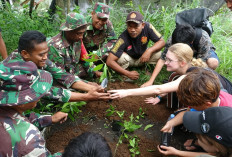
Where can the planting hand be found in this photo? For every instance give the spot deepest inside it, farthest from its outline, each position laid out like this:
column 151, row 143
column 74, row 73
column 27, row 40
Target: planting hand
column 134, row 75
column 152, row 100
column 96, row 95
column 114, row 94
column 59, row 117
column 168, row 127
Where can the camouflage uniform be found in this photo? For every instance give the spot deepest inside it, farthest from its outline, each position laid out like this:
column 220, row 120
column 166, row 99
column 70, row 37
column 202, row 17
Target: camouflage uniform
column 22, row 83
column 20, row 136
column 61, row 76
column 66, row 56
column 103, row 39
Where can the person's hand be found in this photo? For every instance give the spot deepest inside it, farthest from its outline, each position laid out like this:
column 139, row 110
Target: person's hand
column 146, row 56
column 152, row 101
column 94, row 84
column 59, row 117
column 118, row 93
column 168, row 150
column 134, row 75
column 98, row 73
column 148, row 83
column 97, row 95
column 167, row 127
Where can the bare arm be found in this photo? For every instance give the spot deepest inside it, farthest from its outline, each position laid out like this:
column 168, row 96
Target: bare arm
column 91, row 95
column 112, row 63
column 81, row 85
column 176, row 152
column 156, row 71
column 177, row 120
column 3, row 51
column 155, row 89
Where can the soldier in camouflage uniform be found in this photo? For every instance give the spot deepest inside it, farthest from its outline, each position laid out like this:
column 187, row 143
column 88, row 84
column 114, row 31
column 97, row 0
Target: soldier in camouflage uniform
column 100, row 36
column 66, row 49
column 33, row 47
column 22, row 85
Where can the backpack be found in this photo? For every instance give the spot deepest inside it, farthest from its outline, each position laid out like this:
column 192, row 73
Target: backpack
column 198, row 18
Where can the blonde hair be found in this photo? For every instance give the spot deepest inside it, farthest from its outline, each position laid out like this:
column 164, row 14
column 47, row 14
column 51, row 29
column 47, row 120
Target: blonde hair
column 184, row 52
column 223, row 150
column 198, row 63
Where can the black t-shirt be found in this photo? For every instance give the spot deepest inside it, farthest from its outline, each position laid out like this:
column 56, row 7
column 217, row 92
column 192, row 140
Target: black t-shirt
column 226, row 84
column 135, row 47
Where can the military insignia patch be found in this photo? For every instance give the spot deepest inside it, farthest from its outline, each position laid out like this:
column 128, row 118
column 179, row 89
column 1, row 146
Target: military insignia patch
column 133, row 15
column 144, row 40
column 117, row 45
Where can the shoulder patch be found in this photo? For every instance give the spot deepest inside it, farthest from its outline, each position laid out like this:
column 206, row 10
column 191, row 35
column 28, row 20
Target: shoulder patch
column 117, row 45
column 154, row 30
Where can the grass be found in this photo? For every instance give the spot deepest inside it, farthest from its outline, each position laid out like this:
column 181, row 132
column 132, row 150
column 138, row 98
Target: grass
column 163, row 19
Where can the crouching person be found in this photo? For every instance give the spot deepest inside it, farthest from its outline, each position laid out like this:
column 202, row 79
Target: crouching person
column 213, row 131
column 22, row 85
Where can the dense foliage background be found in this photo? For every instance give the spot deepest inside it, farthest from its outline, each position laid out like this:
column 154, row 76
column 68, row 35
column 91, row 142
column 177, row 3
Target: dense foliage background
column 14, row 21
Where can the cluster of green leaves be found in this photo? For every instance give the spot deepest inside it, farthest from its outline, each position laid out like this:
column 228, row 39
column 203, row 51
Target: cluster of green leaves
column 14, row 22
column 72, row 108
column 128, row 128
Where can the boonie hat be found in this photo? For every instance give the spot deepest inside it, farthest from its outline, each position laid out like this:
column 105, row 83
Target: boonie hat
column 102, row 10
column 21, row 82
column 215, row 122
column 135, row 16
column 73, row 21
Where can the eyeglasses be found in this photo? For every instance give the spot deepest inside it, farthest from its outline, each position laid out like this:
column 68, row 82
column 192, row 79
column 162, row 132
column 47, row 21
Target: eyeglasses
column 168, row 60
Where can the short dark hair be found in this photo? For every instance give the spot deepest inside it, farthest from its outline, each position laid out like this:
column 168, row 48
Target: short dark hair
column 89, row 145
column 198, row 87
column 28, row 40
column 183, row 34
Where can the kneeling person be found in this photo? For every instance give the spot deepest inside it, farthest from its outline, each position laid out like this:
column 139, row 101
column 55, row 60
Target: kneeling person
column 131, row 49
column 22, row 85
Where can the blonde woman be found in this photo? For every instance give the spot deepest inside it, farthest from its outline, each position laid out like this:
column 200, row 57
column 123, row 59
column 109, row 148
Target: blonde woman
column 179, row 59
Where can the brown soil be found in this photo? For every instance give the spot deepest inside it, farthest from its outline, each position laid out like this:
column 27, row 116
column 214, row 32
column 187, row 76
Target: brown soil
column 93, row 119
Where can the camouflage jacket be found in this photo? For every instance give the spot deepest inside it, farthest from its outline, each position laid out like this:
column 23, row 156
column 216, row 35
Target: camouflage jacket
column 67, row 57
column 19, row 137
column 59, row 75
column 205, row 45
column 99, row 39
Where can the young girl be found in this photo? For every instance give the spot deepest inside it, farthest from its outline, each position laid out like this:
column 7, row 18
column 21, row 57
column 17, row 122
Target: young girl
column 213, row 131
column 179, row 59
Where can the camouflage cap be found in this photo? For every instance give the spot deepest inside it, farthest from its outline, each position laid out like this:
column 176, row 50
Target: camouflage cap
column 73, row 21
column 102, row 10
column 21, row 82
column 135, row 16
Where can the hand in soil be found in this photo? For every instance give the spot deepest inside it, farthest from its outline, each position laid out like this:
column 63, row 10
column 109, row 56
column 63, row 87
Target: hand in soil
column 134, row 75
column 152, row 101
column 59, row 117
column 114, row 94
column 168, row 150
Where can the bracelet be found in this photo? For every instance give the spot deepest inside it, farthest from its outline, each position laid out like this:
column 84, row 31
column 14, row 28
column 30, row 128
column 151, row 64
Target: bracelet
column 159, row 97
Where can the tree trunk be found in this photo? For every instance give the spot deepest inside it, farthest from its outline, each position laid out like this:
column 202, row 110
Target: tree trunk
column 31, row 6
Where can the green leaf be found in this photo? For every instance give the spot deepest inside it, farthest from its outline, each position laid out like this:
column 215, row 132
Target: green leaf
column 90, row 60
column 148, row 126
column 98, row 67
